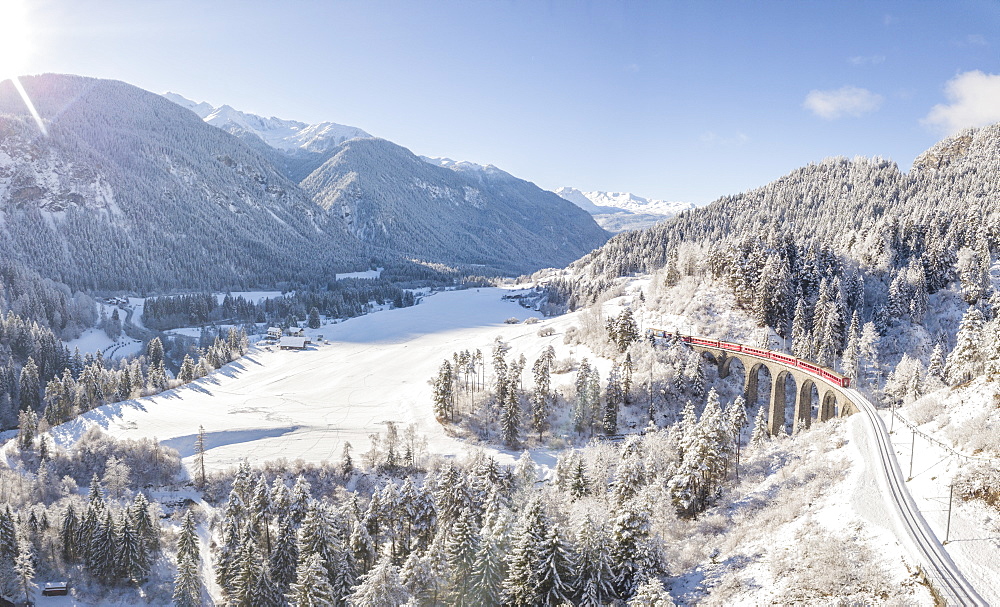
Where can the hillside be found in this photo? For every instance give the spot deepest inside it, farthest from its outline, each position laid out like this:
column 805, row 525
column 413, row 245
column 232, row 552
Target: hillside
column 129, row 191
column 392, row 199
column 865, row 209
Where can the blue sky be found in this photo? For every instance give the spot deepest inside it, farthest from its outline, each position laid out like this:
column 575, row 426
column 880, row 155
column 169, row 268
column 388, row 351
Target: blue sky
column 676, row 100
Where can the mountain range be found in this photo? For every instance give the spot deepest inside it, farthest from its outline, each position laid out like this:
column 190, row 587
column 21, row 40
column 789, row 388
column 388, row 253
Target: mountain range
column 621, row 211
column 132, row 191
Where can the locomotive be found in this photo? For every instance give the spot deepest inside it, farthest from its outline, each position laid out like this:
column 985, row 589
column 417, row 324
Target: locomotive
column 790, row 361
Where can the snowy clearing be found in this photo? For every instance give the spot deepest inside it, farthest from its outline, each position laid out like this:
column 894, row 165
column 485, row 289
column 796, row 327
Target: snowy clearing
column 304, row 404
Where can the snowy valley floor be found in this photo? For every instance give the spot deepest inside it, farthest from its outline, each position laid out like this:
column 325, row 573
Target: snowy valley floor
column 305, row 404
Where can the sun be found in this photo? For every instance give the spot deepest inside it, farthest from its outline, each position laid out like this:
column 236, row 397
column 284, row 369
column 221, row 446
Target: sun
column 14, row 38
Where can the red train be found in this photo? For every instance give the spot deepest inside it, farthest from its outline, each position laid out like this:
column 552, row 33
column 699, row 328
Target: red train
column 791, row 361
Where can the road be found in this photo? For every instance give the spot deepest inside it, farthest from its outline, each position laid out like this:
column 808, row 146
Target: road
column 939, row 567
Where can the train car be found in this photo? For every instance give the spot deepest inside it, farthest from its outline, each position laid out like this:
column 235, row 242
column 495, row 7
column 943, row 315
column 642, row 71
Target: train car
column 784, row 358
column 757, row 352
column 725, row 345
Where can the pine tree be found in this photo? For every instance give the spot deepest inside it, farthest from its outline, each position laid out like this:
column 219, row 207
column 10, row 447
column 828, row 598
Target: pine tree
column 760, row 434
column 460, row 550
column 935, row 368
column 133, row 559
column 187, row 370
column 651, row 594
column 284, row 557
column 24, row 568
column 314, row 320
column 105, row 550
column 68, row 535
column 523, row 565
column 556, row 570
column 736, row 416
column 8, row 536
column 311, row 587
column 381, row 586
column 510, row 414
column 246, row 573
column 595, row 576
column 187, row 582
column 631, row 553
column 868, row 345
column 488, row 570
column 581, row 409
column 443, row 393
column 29, row 386
column 266, row 592
column 154, row 352
column 541, row 371
column 579, row 485
column 965, row 360
column 613, row 401
column 850, row 362
column 187, row 541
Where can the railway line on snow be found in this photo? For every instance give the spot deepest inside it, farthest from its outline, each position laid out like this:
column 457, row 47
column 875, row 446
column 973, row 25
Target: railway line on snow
column 939, row 566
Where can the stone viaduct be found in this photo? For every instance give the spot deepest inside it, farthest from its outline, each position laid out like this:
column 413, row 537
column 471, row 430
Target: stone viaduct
column 832, row 400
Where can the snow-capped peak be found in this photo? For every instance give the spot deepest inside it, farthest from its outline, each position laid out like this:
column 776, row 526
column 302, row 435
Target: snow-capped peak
column 461, row 165
column 611, row 202
column 203, row 109
column 285, row 135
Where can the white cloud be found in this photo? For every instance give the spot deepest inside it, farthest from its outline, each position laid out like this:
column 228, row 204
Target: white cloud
column 713, row 139
column 845, row 101
column 973, row 100
column 869, row 60
column 976, row 40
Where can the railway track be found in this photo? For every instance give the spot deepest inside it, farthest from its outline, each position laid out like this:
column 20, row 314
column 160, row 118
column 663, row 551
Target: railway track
column 938, row 566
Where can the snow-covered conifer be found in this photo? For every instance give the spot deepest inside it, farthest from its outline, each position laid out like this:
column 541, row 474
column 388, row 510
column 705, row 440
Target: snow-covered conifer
column 760, row 433
column 460, row 549
column 965, row 360
column 187, row 541
column 651, row 594
column 556, row 568
column 381, row 586
column 187, row 583
column 595, row 576
column 801, row 337
column 311, row 587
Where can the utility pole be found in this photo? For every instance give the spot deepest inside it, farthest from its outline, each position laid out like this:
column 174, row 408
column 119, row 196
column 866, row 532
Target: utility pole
column 951, row 494
column 913, row 444
column 892, row 415
column 652, row 355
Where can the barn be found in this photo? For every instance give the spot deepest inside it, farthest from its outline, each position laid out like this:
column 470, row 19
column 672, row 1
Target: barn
column 292, row 343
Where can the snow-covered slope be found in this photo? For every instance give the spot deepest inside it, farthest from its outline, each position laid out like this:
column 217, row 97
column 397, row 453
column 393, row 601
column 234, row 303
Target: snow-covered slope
column 450, row 212
column 287, row 136
column 129, row 191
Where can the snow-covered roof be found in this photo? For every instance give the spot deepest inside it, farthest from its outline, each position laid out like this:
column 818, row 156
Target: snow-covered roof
column 292, row 342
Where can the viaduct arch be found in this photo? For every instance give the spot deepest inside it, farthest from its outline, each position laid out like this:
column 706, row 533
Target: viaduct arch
column 832, row 400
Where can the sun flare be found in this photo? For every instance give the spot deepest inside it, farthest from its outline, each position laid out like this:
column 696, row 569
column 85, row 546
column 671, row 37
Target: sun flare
column 14, row 39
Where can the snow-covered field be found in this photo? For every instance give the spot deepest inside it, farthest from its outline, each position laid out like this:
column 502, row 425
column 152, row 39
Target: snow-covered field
column 94, row 339
column 305, row 404
column 365, row 274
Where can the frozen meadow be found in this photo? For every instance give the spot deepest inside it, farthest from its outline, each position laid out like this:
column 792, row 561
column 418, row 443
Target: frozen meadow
column 304, row 404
